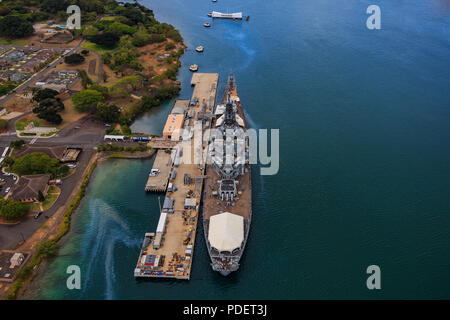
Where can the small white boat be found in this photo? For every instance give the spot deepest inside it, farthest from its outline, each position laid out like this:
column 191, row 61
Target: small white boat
column 199, row 49
column 207, row 24
column 209, row 14
column 193, row 68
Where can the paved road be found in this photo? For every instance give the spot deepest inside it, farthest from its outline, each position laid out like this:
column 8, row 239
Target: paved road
column 86, row 133
column 11, row 235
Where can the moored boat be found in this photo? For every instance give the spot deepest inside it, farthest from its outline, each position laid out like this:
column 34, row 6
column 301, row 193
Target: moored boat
column 227, row 205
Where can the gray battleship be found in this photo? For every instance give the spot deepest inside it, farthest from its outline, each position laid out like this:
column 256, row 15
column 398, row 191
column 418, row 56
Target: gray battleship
column 227, row 204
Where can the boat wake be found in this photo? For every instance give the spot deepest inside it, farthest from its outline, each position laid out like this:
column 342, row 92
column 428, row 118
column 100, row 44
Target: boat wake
column 106, row 230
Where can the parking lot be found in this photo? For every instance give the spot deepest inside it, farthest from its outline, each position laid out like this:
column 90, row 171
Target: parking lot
column 7, row 181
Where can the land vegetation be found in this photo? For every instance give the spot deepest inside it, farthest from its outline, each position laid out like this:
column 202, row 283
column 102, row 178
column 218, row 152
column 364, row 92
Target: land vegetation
column 48, row 105
column 3, row 124
column 6, row 87
column 125, row 37
column 17, row 144
column 74, row 59
column 140, row 57
column 117, row 148
column 12, row 210
column 36, row 163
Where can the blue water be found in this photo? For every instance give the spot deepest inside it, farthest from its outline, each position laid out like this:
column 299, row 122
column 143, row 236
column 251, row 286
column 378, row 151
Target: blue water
column 364, row 157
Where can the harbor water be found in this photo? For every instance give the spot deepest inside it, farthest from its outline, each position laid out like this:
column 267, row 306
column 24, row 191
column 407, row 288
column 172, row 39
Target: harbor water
column 364, row 174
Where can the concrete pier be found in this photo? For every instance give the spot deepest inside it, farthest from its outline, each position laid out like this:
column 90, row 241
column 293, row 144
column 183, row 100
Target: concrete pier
column 168, row 252
column 163, row 163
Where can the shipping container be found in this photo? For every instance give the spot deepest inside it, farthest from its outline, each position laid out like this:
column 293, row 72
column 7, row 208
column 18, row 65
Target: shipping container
column 143, row 139
column 162, row 223
column 158, row 240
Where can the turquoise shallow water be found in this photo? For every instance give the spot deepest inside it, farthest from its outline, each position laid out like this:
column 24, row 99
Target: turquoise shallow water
column 364, row 158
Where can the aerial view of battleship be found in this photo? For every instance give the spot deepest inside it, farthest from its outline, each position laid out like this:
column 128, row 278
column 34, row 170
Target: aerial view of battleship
column 227, row 206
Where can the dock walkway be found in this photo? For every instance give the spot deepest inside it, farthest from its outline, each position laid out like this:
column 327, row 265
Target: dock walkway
column 163, row 163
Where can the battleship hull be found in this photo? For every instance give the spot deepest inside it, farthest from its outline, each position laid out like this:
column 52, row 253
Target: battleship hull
column 227, row 200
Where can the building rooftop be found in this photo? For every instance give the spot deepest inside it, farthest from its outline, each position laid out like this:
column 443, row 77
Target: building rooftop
column 28, row 187
column 174, row 122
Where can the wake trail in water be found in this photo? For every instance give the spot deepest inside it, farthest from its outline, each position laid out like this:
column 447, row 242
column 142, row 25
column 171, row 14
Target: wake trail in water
column 106, row 230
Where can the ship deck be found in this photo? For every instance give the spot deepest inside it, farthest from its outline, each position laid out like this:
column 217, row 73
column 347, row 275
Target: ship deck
column 226, row 262
column 242, row 207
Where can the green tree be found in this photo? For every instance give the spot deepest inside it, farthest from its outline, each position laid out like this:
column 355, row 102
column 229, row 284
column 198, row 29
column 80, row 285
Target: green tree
column 48, row 248
column 126, row 130
column 119, row 29
column 3, row 124
column 35, row 163
column 41, row 197
column 8, row 161
column 90, row 31
column 13, row 210
column 40, row 95
column 87, row 100
column 170, row 46
column 7, row 87
column 53, row 6
column 74, row 59
column 63, row 171
column 16, row 143
column 85, row 80
column 48, row 110
column 105, row 39
column 174, row 35
column 108, row 113
column 99, row 88
column 15, row 27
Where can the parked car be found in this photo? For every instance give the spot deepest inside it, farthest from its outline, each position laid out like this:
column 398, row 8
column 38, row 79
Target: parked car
column 57, row 182
column 154, row 172
column 38, row 214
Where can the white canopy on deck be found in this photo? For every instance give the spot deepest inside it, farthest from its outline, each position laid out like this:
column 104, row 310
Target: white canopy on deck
column 226, row 231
